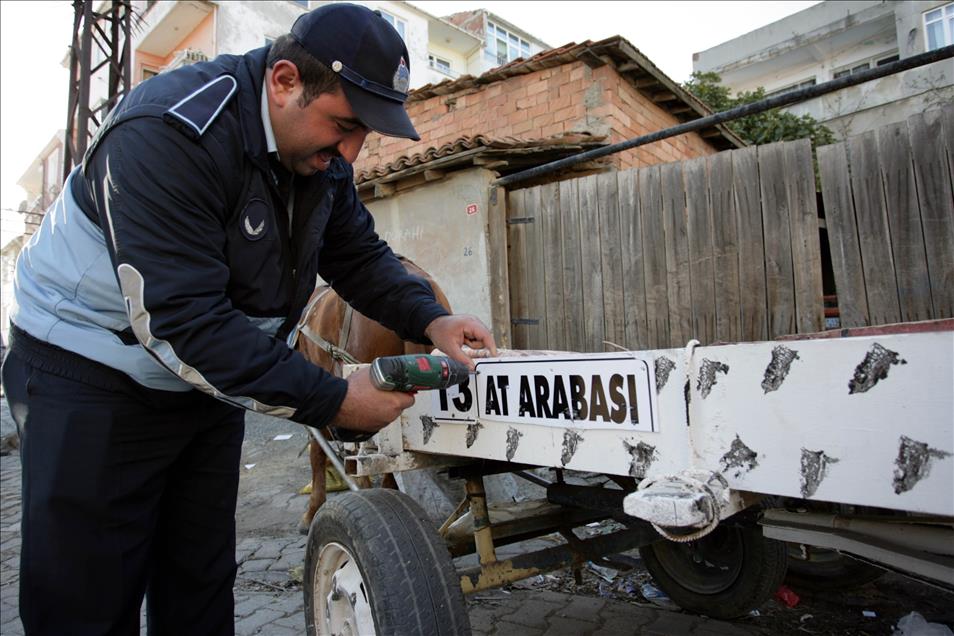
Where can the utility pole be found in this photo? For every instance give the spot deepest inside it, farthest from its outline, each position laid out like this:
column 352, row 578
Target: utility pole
column 109, row 31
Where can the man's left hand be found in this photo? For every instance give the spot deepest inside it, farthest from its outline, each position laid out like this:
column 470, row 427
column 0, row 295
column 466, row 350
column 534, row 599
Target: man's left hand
column 462, row 338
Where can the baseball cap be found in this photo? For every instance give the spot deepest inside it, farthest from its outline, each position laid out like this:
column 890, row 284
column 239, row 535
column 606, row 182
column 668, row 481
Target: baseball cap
column 370, row 58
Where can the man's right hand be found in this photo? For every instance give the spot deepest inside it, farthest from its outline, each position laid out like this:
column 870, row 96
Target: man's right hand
column 368, row 409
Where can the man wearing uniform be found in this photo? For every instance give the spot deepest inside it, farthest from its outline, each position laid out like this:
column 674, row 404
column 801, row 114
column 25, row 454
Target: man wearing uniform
column 162, row 292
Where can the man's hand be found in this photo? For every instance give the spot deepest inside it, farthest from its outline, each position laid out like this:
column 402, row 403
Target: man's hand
column 367, row 409
column 451, row 334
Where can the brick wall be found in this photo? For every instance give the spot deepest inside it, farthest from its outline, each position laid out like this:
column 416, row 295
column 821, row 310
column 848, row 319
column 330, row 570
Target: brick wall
column 569, row 98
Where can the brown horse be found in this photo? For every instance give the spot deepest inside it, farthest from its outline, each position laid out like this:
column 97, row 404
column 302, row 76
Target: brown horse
column 339, row 329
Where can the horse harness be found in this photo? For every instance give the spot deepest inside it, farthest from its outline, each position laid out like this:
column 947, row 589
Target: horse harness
column 338, row 353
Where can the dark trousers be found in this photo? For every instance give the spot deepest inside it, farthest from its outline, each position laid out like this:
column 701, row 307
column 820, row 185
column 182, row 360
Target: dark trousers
column 126, row 491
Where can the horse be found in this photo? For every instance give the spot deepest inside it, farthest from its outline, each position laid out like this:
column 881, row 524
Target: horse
column 332, row 333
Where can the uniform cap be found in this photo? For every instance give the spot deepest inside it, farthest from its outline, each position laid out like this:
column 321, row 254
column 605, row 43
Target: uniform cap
column 370, row 58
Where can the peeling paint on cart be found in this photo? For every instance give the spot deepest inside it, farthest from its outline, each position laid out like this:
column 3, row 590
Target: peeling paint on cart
column 571, row 439
column 428, row 425
column 473, row 429
column 814, row 469
column 778, row 368
column 707, row 376
column 739, row 459
column 873, row 368
column 913, row 463
column 513, row 440
column 643, row 455
column 663, row 366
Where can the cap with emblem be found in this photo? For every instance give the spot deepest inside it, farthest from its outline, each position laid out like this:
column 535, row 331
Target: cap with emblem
column 369, row 56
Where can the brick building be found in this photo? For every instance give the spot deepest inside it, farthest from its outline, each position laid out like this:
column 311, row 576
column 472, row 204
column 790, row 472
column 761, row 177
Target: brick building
column 606, row 90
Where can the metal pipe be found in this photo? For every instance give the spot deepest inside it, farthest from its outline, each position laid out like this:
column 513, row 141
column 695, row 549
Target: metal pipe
column 332, row 457
column 938, row 538
column 533, row 479
column 768, row 103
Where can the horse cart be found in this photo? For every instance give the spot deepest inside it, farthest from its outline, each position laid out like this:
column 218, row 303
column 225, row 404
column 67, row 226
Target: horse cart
column 720, row 461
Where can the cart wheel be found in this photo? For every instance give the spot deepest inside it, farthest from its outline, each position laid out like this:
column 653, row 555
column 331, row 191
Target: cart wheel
column 375, row 565
column 725, row 574
column 823, row 570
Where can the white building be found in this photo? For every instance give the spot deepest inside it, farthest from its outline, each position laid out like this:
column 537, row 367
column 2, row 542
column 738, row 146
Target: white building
column 836, row 38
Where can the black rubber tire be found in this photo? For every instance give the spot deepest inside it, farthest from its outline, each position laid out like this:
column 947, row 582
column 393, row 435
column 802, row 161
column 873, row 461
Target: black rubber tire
column 828, row 571
column 749, row 569
column 408, row 575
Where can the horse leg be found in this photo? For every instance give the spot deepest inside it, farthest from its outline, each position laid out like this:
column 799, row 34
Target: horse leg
column 318, row 486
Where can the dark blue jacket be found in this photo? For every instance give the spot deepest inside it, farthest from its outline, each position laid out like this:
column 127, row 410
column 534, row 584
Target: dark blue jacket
column 178, row 203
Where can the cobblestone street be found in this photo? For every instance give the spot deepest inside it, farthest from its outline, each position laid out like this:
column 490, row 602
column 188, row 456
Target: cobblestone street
column 270, row 554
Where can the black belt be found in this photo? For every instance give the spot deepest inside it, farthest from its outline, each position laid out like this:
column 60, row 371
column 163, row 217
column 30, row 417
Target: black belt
column 58, row 361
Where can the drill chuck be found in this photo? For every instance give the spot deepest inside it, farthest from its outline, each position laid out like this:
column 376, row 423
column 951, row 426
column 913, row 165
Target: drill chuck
column 417, row 373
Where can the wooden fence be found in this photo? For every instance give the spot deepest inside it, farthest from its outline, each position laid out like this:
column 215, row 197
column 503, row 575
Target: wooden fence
column 719, row 248
column 890, row 215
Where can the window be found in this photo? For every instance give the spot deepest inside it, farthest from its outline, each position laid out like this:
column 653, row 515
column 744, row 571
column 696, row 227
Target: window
column 303, row 3
column 441, row 65
column 856, row 67
column 939, row 27
column 148, row 72
column 502, row 47
column 794, row 87
column 399, row 25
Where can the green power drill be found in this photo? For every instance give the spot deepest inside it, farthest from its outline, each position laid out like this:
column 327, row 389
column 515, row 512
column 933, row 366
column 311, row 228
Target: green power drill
column 408, row 373
column 417, row 372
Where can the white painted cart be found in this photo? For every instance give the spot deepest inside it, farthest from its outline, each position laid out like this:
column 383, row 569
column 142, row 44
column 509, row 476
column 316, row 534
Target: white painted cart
column 723, row 458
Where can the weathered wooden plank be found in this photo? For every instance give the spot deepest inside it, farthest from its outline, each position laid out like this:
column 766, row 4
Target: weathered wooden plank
column 611, row 254
column 536, row 283
column 843, row 235
column 904, row 222
column 725, row 248
column 517, row 209
column 748, row 202
column 873, row 230
column 654, row 250
column 776, row 213
column 946, row 115
column 572, row 265
column 932, row 143
column 592, row 265
column 499, row 275
column 701, row 257
column 806, row 251
column 677, row 253
column 634, row 281
column 552, row 235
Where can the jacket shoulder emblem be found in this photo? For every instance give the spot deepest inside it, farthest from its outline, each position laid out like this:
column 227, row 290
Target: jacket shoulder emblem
column 195, row 112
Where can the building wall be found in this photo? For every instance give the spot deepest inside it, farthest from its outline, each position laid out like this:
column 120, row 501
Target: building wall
column 458, row 63
column 243, row 26
column 572, row 98
column 822, row 40
column 476, row 22
column 431, row 226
